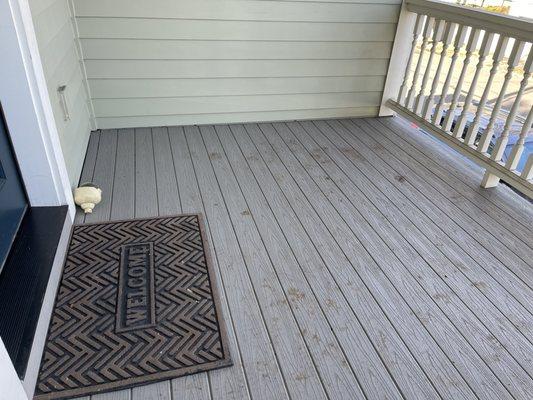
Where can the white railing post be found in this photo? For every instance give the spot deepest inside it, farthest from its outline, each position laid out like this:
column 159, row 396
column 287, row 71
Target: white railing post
column 408, row 31
column 439, row 25
column 420, row 19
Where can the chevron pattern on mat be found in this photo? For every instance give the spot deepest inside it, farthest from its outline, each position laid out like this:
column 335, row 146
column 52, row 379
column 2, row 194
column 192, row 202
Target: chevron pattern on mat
column 136, row 304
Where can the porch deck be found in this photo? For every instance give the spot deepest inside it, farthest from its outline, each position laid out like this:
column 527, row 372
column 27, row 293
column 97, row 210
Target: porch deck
column 357, row 258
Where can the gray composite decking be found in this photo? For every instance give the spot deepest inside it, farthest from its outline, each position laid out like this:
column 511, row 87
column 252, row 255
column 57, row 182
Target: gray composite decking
column 357, row 258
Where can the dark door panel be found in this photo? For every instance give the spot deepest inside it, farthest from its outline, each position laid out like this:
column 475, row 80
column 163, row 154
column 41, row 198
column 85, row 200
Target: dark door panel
column 13, row 201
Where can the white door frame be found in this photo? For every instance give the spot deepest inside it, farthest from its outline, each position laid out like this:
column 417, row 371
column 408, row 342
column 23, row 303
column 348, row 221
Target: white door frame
column 11, row 386
column 28, row 111
column 34, row 136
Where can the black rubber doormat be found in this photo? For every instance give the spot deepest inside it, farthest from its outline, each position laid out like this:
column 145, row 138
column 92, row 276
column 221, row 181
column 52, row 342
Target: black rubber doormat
column 137, row 303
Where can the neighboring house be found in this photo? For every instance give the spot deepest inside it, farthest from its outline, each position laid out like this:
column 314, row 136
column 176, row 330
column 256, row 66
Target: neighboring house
column 355, row 257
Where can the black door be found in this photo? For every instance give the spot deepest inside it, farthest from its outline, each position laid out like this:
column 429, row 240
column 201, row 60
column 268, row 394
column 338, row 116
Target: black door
column 13, row 201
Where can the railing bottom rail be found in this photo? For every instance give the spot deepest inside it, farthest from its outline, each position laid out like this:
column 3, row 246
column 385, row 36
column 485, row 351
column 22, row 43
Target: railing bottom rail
column 454, row 62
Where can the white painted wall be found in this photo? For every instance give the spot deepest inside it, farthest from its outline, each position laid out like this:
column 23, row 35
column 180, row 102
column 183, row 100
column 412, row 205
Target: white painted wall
column 58, row 47
column 170, row 62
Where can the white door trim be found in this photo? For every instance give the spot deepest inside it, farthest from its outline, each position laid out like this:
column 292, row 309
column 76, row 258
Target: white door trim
column 28, row 111
column 9, row 381
column 30, row 122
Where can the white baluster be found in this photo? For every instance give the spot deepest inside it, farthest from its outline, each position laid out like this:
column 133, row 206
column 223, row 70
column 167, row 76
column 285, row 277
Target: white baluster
column 514, row 58
column 458, row 44
column 497, row 57
column 426, row 35
column 437, row 37
column 518, row 148
column 491, row 180
column 484, row 50
column 420, row 19
column 527, row 172
column 501, row 143
column 449, row 32
column 475, row 35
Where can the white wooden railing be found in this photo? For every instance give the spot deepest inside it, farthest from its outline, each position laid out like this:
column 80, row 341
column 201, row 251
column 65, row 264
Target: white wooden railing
column 448, row 63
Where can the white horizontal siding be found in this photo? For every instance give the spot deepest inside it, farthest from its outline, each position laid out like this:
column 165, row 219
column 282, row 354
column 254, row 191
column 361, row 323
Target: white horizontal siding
column 165, row 69
column 124, row 49
column 261, row 10
column 191, row 119
column 232, row 104
column 171, row 62
column 148, row 88
column 56, row 41
column 165, row 29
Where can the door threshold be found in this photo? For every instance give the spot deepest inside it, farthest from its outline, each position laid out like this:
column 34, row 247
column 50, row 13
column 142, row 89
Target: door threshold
column 24, row 279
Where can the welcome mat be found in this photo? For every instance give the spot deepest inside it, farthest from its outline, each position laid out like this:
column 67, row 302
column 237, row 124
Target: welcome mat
column 137, row 303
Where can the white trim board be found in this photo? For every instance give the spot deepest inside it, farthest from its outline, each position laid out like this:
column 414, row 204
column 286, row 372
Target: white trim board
column 28, row 111
column 9, row 381
column 34, row 361
column 31, row 125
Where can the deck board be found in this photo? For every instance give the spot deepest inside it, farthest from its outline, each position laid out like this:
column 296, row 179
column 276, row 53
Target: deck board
column 103, row 174
column 338, row 378
column 503, row 244
column 229, row 383
column 123, row 202
column 302, row 380
column 503, row 307
column 338, row 280
column 259, row 357
column 380, row 296
column 421, row 305
column 455, row 190
column 429, row 150
column 116, row 395
column 414, row 204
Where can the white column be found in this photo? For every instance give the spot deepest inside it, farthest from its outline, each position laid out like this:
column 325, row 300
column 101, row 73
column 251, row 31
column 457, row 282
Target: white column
column 420, row 19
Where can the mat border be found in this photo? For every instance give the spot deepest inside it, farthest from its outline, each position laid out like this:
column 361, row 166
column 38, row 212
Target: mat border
column 226, row 361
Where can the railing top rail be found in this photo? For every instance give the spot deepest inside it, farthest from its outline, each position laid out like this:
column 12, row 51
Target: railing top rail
column 519, row 28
